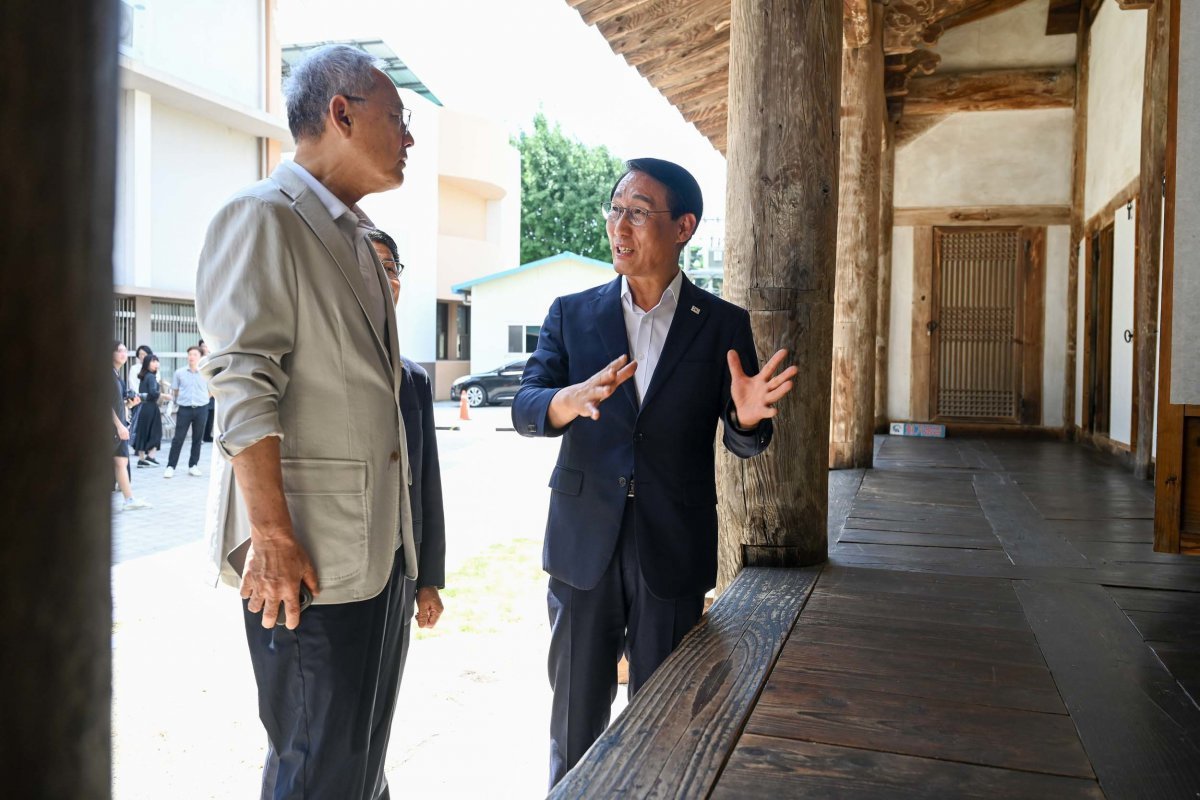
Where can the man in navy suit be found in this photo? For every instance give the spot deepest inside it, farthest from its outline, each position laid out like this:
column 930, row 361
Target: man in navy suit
column 631, row 540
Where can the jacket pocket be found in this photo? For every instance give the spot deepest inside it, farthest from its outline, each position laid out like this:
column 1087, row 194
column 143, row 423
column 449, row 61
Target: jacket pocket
column 566, row 480
column 327, row 500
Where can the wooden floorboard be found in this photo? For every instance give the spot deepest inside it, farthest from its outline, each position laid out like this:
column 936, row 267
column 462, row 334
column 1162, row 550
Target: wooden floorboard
column 771, row 768
column 992, row 622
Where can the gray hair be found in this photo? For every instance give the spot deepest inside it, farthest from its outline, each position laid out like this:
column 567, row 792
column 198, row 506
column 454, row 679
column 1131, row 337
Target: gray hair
column 325, row 71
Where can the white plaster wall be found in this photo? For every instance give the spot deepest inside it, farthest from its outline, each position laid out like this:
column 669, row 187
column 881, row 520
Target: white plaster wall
column 409, row 215
column 215, row 44
column 198, row 164
column 1054, row 353
column 522, row 299
column 1010, row 39
column 900, row 326
column 1121, row 397
column 1115, row 74
column 1185, row 360
column 989, row 158
column 1080, row 334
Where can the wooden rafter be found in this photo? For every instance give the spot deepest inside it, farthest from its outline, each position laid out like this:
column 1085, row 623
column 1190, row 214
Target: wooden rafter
column 1130, row 5
column 856, row 22
column 1062, row 17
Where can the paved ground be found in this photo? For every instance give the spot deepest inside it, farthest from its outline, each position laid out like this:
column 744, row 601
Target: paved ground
column 474, row 702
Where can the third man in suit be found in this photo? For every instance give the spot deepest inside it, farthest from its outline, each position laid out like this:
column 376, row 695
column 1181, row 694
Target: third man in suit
column 635, row 376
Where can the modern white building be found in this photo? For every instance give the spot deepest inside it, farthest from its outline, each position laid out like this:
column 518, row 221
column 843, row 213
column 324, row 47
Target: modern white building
column 508, row 307
column 192, row 129
column 199, row 122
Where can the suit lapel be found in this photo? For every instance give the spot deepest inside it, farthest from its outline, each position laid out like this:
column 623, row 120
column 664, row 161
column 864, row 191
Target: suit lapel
column 610, row 325
column 692, row 311
column 308, row 206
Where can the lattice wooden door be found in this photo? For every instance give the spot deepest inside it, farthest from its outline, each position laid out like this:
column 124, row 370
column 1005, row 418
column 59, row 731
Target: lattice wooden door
column 977, row 307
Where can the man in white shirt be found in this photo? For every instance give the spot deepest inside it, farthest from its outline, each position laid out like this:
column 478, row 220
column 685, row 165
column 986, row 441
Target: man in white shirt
column 306, row 372
column 631, row 539
column 190, row 392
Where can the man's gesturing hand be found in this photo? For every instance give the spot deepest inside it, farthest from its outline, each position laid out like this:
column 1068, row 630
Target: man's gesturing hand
column 754, row 397
column 275, row 566
column 584, row 399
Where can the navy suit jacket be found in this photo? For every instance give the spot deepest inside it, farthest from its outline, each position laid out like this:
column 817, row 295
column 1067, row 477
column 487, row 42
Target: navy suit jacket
column 425, row 493
column 666, row 444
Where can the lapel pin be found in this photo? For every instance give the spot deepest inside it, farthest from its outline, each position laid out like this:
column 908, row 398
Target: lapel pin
column 695, row 310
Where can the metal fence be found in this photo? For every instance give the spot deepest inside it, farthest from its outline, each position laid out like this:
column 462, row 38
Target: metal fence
column 124, row 318
column 173, row 330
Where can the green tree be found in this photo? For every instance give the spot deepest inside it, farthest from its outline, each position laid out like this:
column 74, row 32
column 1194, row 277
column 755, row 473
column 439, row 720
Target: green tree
column 563, row 182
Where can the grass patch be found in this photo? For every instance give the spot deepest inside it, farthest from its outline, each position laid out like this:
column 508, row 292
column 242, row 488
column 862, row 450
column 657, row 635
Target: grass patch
column 493, row 591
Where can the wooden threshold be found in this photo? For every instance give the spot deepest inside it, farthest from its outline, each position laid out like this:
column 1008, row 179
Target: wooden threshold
column 977, row 215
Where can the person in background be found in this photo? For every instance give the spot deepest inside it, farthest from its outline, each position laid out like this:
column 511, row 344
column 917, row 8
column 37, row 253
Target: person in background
column 190, row 391
column 139, row 358
column 425, row 493
column 122, row 401
column 147, row 437
column 212, row 401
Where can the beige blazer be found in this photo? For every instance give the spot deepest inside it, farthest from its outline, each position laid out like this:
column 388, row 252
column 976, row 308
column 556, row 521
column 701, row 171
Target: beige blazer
column 293, row 353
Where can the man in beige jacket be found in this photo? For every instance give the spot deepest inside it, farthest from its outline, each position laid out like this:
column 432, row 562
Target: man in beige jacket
column 305, row 369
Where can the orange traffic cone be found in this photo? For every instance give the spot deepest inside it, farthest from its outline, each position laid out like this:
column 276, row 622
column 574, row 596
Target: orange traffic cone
column 464, row 409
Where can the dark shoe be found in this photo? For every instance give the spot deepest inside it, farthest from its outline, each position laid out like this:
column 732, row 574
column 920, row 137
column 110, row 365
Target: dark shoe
column 153, row 461
column 143, row 463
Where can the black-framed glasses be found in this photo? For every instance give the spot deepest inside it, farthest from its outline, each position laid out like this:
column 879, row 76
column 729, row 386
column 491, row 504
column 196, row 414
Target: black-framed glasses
column 394, row 269
column 637, row 216
column 404, row 117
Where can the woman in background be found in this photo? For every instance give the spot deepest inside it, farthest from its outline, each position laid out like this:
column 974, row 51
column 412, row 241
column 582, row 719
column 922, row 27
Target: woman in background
column 148, row 433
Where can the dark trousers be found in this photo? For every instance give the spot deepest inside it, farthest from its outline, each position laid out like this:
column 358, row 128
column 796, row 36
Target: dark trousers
column 212, row 413
column 188, row 417
column 589, row 632
column 327, row 692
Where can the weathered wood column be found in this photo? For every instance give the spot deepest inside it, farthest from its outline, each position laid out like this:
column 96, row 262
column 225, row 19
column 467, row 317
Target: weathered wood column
column 781, row 229
column 883, row 305
column 1149, row 220
column 58, row 78
column 852, row 425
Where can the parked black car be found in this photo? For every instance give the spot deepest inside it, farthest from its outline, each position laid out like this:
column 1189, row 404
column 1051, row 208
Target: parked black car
column 491, row 386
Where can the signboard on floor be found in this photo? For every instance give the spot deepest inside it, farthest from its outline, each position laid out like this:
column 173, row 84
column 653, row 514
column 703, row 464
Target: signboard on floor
column 924, row 429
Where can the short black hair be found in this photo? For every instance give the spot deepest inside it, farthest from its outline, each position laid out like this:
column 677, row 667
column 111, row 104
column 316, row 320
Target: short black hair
column 142, row 347
column 683, row 193
column 376, row 235
column 194, row 347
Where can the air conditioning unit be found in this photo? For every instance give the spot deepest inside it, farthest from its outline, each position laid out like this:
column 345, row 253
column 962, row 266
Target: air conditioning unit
column 132, row 40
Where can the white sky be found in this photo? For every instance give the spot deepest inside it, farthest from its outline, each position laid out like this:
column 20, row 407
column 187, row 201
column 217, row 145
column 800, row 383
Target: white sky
column 503, row 59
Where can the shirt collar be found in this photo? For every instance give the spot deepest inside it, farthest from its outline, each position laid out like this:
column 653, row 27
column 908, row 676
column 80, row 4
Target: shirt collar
column 335, row 207
column 670, row 295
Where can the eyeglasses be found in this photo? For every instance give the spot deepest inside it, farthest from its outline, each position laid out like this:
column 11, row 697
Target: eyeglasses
column 394, row 269
column 404, row 117
column 637, row 216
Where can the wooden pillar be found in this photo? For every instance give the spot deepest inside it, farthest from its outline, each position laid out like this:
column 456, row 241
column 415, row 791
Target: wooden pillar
column 781, row 229
column 58, row 78
column 883, row 305
column 271, row 150
column 1149, row 230
column 852, row 426
column 1078, row 184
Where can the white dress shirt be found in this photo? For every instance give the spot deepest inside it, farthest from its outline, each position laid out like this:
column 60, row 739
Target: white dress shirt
column 647, row 330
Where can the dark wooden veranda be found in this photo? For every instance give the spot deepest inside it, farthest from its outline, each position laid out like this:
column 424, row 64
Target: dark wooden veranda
column 992, row 623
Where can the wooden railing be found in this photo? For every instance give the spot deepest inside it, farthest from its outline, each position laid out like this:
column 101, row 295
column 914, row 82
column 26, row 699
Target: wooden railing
column 676, row 735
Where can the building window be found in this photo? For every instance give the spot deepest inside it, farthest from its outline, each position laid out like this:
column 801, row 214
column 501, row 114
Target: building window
column 523, row 338
column 124, row 318
column 443, row 331
column 173, row 330
column 463, row 328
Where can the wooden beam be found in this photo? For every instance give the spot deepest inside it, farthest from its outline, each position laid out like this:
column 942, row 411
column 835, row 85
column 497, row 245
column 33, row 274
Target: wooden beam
column 784, row 83
column 922, row 303
column 883, row 306
column 991, row 90
column 1104, row 216
column 981, row 11
column 1078, row 187
column 1133, row 5
column 943, row 216
column 1149, row 231
column 856, row 22
column 852, row 424
column 1062, row 17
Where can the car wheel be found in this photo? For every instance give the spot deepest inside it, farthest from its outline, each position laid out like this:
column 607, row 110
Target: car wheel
column 476, row 396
